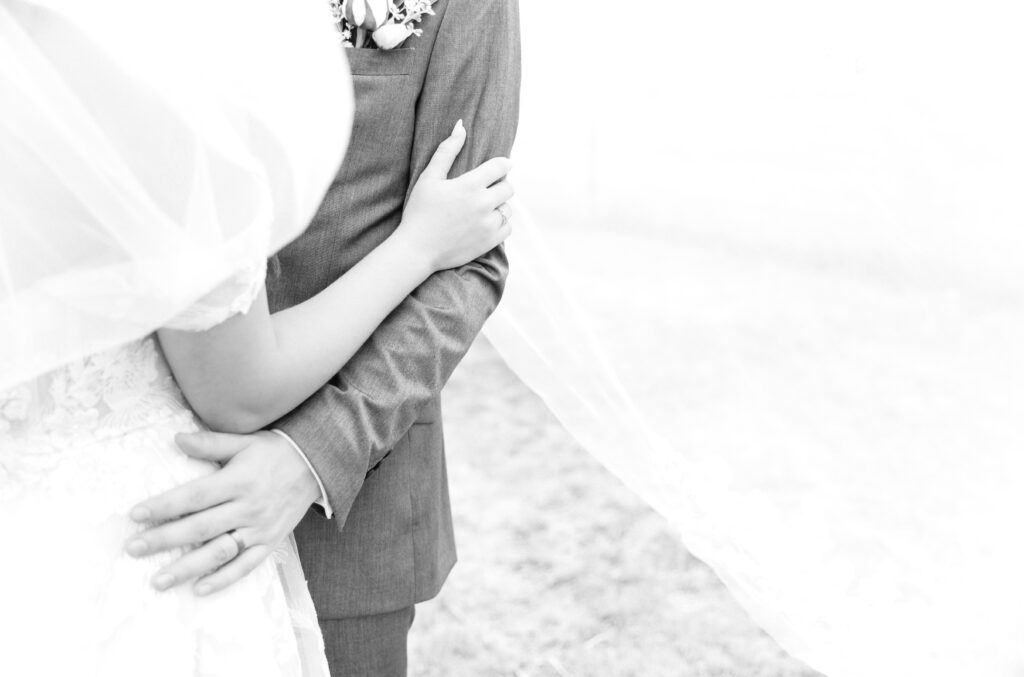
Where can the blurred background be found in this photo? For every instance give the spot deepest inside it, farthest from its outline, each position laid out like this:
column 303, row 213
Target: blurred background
column 791, row 230
column 562, row 570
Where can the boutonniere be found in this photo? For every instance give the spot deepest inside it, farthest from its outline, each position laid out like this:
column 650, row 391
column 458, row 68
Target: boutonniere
column 382, row 24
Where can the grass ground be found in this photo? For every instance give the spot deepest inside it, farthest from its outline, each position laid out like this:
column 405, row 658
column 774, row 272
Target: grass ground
column 562, row 570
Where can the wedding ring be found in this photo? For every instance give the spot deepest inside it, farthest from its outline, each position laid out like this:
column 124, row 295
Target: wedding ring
column 506, row 214
column 238, row 541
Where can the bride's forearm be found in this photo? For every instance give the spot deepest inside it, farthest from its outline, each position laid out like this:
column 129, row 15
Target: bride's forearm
column 249, row 371
column 316, row 338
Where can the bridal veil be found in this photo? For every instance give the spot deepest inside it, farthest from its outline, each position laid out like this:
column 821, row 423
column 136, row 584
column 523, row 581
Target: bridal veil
column 150, row 152
column 147, row 152
column 772, row 280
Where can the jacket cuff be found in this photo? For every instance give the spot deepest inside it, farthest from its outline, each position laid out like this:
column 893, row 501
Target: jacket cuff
column 324, row 502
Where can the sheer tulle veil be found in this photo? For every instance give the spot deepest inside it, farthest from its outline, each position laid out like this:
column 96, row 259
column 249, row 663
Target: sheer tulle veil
column 771, row 279
column 147, row 152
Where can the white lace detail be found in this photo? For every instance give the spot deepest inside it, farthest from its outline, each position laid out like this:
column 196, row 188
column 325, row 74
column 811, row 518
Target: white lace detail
column 78, row 448
column 233, row 297
column 108, row 393
column 102, row 396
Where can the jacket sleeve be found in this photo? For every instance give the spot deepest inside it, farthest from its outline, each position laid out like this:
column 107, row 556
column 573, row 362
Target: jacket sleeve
column 349, row 425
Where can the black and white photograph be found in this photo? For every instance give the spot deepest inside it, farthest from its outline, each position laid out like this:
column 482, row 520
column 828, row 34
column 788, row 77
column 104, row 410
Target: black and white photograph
column 509, row 338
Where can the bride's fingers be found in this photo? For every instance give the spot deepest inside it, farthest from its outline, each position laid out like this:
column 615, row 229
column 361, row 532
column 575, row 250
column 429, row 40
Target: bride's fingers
column 444, row 157
column 233, row 571
column 499, row 227
column 198, row 528
column 490, row 172
column 500, row 193
column 191, row 497
column 195, row 563
column 504, row 231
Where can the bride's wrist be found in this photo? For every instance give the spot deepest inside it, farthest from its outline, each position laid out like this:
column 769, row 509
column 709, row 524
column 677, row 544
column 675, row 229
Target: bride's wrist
column 412, row 255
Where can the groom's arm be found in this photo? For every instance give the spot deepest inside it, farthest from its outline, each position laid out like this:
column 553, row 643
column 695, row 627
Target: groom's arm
column 348, row 426
column 351, row 424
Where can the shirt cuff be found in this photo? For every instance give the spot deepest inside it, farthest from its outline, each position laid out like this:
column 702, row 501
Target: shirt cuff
column 323, row 501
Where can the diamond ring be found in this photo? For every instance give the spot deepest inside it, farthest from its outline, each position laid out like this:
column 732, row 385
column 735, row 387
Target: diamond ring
column 506, row 214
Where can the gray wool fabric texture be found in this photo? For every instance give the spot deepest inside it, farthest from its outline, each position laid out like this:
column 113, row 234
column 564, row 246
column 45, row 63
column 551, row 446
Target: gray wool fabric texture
column 373, row 434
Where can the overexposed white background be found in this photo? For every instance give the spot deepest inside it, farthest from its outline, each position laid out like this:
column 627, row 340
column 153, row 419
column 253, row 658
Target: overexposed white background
column 794, row 230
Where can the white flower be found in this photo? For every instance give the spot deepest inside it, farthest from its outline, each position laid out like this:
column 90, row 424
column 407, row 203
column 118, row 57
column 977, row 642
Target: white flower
column 368, row 14
column 389, row 36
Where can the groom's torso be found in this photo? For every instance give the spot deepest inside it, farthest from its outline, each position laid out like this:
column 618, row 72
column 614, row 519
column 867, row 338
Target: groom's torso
column 396, row 546
column 364, row 203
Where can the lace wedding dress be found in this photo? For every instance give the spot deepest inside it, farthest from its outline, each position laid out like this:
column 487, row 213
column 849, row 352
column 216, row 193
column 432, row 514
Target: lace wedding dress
column 78, row 448
column 144, row 186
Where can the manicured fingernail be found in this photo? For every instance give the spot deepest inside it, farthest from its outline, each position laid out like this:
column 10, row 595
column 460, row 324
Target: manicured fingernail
column 137, row 547
column 139, row 514
column 163, row 581
column 458, row 126
column 202, row 590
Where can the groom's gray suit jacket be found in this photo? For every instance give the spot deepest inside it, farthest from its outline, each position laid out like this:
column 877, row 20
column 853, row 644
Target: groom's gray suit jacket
column 390, row 543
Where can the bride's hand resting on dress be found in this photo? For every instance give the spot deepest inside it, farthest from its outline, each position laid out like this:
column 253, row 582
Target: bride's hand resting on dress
column 246, row 373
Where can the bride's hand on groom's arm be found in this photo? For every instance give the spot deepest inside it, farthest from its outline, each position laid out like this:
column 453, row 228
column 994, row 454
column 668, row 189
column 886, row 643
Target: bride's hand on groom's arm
column 255, row 501
column 250, row 370
column 456, row 220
